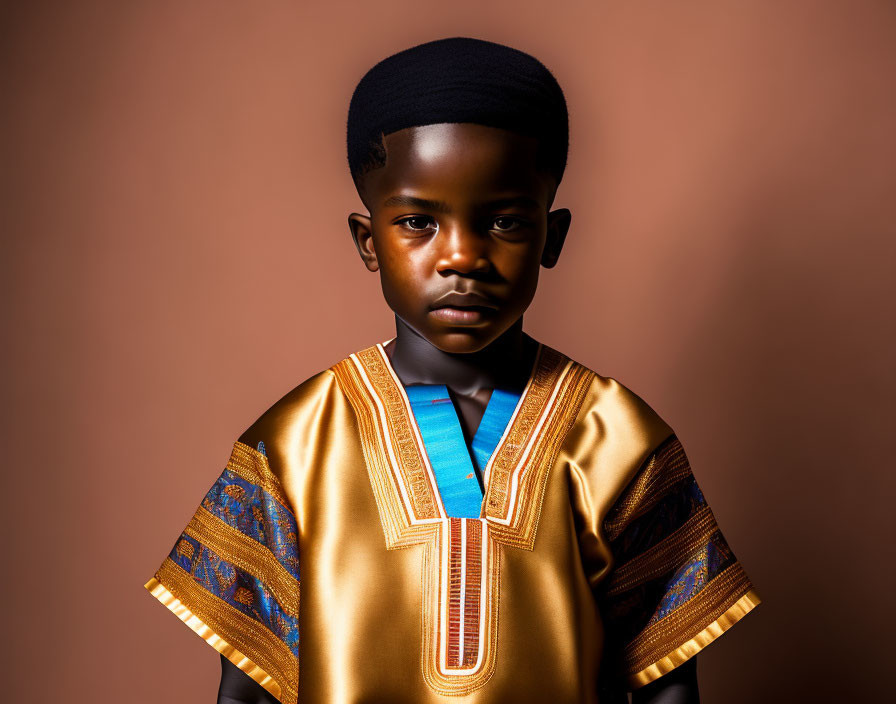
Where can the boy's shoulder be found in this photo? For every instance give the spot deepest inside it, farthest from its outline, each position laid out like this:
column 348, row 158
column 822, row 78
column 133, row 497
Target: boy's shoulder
column 612, row 409
column 297, row 412
column 617, row 406
column 614, row 433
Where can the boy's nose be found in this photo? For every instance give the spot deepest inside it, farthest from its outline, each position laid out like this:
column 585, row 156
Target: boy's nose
column 463, row 252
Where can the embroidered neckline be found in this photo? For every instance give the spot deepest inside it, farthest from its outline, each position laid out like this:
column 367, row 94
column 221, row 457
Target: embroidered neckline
column 420, row 446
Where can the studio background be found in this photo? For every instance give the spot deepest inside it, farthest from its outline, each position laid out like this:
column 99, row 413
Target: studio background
column 175, row 197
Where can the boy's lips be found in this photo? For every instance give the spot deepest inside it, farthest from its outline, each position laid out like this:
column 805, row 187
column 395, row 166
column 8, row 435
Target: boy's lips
column 464, row 316
column 468, row 299
column 463, row 308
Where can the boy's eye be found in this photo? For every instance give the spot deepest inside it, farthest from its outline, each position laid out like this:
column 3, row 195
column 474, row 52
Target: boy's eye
column 505, row 224
column 417, row 223
column 511, row 226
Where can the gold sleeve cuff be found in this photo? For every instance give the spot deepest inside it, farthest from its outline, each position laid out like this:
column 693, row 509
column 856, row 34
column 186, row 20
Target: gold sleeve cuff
column 687, row 650
column 174, row 605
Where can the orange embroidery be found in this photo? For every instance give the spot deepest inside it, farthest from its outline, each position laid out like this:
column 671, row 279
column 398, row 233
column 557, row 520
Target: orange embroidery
column 243, row 595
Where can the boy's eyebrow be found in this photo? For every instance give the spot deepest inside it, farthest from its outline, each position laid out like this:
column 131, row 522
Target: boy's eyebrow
column 415, row 202
column 440, row 207
column 510, row 201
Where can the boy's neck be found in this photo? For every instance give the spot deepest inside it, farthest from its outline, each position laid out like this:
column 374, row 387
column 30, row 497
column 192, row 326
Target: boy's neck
column 505, row 363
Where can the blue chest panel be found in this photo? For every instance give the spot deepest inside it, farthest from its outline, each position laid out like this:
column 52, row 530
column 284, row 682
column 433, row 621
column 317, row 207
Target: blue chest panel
column 454, row 468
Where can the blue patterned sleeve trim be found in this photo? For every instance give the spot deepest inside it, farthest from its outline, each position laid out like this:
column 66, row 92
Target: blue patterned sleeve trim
column 233, row 574
column 674, row 574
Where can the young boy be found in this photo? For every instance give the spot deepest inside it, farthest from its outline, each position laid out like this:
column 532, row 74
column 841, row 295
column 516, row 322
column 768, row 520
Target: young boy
column 465, row 512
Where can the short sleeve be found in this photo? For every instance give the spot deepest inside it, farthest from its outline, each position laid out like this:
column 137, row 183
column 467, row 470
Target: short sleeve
column 233, row 574
column 675, row 585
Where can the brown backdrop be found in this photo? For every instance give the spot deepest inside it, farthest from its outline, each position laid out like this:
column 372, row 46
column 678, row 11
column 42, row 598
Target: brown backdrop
column 176, row 253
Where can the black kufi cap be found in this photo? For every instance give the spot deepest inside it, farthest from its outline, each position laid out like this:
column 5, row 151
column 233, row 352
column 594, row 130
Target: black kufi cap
column 458, row 79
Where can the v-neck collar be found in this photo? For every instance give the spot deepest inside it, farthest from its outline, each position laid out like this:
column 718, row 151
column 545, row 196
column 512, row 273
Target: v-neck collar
column 486, row 471
column 400, row 474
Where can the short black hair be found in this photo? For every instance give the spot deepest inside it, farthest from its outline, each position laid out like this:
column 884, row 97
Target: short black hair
column 458, row 79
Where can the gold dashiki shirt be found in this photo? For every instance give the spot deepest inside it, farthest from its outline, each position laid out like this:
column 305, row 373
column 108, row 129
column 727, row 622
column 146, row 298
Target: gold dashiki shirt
column 323, row 564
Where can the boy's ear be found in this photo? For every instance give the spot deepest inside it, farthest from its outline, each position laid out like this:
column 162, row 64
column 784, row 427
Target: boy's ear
column 558, row 226
column 362, row 235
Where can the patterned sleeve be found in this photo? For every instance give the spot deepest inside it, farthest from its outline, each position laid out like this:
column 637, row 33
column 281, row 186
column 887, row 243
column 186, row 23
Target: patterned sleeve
column 233, row 574
column 675, row 585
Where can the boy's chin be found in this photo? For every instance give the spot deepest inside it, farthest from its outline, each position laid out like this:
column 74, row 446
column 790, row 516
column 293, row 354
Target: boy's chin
column 457, row 339
column 460, row 341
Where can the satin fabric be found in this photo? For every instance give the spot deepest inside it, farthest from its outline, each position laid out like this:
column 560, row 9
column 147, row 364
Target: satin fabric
column 366, row 622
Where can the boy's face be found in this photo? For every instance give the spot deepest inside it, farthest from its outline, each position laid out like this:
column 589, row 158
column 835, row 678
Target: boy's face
column 458, row 229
